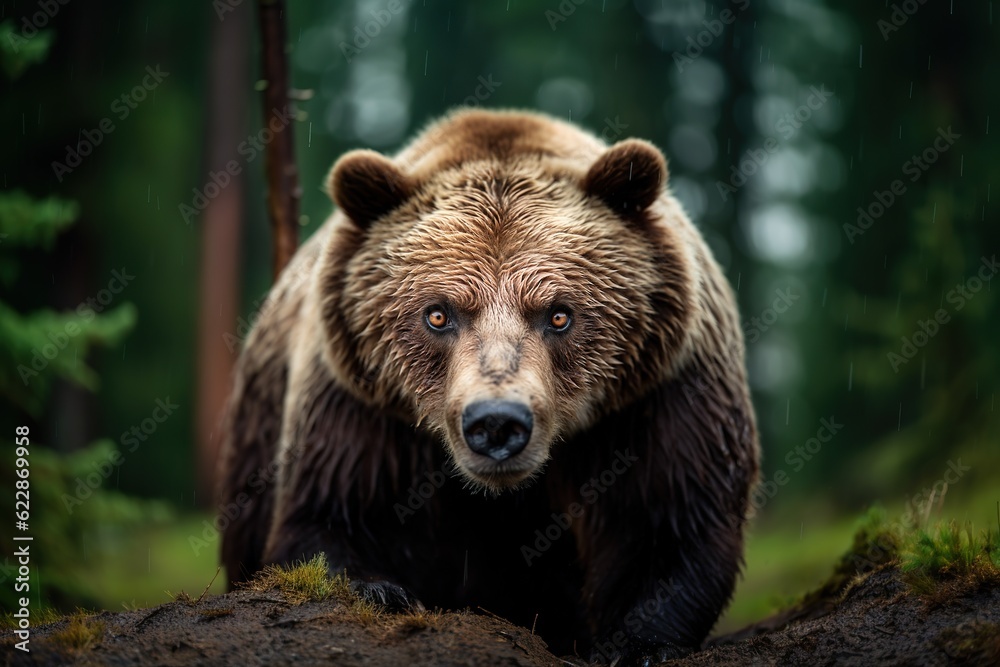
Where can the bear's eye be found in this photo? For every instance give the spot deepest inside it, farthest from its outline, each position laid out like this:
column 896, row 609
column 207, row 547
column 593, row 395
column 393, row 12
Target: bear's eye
column 437, row 319
column 559, row 320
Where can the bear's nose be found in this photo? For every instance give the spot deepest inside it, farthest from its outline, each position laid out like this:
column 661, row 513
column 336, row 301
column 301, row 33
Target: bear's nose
column 497, row 429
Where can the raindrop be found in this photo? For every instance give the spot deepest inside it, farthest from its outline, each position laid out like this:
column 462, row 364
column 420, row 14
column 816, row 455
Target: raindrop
column 309, row 145
column 824, row 298
column 788, row 409
column 899, row 419
column 850, row 376
column 923, row 369
column 911, row 90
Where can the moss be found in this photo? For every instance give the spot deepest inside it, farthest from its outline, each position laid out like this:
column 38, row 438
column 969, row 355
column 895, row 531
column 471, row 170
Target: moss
column 40, row 617
column 366, row 611
column 79, row 636
column 951, row 560
column 304, row 581
column 415, row 621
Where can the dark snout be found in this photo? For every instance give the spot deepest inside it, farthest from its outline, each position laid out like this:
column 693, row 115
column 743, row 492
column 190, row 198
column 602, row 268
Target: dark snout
column 497, row 429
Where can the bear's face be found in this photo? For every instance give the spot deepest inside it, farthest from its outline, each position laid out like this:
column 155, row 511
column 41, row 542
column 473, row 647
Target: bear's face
column 501, row 305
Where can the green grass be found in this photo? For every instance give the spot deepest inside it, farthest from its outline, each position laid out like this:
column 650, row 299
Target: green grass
column 304, row 581
column 792, row 555
column 951, row 556
column 80, row 635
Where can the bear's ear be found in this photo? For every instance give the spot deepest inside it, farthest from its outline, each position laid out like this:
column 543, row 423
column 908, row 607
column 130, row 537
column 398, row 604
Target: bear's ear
column 628, row 177
column 367, row 185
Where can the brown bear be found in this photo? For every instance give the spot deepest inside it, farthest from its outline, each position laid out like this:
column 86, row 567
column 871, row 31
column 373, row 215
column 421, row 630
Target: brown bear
column 506, row 373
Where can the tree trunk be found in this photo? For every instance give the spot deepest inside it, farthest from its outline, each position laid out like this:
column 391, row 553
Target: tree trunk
column 283, row 191
column 221, row 229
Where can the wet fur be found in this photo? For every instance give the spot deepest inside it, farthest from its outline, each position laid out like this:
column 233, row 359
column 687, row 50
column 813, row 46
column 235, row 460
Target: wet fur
column 341, row 390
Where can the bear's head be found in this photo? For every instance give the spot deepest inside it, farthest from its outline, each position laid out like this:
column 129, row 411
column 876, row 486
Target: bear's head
column 504, row 282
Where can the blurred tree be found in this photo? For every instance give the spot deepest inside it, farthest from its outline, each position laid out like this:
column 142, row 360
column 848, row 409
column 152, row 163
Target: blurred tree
column 66, row 498
column 221, row 230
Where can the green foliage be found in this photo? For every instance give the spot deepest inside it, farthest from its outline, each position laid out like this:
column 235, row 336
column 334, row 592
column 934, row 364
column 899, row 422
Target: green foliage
column 43, row 346
column 39, row 347
column 309, row 580
column 28, row 222
column 18, row 52
column 950, row 553
column 76, row 517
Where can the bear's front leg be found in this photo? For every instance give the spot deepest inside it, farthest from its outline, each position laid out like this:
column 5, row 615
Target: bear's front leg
column 663, row 598
column 662, row 544
column 302, row 541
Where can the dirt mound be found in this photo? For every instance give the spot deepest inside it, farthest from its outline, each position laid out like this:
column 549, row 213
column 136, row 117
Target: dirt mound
column 251, row 628
column 875, row 620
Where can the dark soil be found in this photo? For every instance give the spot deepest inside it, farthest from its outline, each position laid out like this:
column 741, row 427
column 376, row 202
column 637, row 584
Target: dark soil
column 874, row 620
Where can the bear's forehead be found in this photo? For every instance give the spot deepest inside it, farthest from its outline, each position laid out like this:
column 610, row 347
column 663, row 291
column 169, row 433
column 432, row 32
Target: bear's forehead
column 483, row 245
